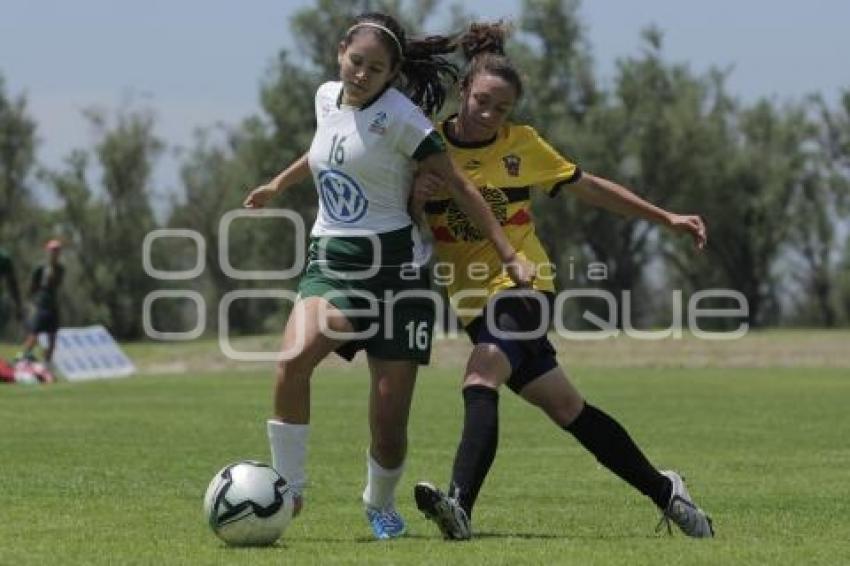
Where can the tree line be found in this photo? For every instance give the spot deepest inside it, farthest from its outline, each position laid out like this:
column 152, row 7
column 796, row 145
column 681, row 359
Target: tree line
column 771, row 178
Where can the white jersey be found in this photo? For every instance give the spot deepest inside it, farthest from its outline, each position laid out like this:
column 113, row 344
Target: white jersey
column 362, row 163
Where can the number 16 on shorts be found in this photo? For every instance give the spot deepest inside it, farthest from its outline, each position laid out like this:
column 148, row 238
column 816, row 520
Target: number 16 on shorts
column 418, row 335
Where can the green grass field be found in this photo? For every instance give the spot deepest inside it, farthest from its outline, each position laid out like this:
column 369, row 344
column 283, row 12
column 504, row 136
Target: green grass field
column 114, row 472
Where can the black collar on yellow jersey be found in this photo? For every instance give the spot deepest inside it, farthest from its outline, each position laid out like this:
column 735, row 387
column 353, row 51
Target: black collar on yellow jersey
column 447, row 132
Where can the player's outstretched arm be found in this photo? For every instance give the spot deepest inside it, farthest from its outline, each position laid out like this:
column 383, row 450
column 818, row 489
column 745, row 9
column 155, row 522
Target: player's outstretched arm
column 612, row 196
column 292, row 175
column 469, row 200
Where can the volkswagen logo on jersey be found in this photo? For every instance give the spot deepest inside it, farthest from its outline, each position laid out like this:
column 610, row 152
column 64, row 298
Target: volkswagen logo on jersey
column 342, row 198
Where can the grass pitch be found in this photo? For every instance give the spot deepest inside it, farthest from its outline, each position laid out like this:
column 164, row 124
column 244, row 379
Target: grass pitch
column 114, row 472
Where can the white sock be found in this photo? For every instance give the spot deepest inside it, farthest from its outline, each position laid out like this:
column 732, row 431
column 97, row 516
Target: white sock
column 380, row 484
column 288, row 444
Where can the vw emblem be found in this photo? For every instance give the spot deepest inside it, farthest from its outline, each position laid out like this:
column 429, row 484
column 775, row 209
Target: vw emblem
column 343, row 200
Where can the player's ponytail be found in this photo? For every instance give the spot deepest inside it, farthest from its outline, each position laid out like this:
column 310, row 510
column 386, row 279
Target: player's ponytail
column 483, row 46
column 424, row 74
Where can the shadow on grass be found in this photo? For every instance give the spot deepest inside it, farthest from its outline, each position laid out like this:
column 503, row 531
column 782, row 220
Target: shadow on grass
column 408, row 536
column 477, row 536
column 528, row 536
column 550, row 536
column 420, row 537
column 348, row 540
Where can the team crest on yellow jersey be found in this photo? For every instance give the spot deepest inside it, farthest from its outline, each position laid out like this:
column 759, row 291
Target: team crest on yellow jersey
column 512, row 163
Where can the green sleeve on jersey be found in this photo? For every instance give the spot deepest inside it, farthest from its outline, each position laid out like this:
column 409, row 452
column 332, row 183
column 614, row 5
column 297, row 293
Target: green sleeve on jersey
column 432, row 144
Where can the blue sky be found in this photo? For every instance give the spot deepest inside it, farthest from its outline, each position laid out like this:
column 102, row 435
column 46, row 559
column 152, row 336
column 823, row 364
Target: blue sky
column 198, row 62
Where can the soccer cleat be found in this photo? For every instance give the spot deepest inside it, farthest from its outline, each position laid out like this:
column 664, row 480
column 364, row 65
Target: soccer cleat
column 445, row 511
column 385, row 523
column 681, row 509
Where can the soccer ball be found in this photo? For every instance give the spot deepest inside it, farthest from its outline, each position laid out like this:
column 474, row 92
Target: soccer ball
column 248, row 504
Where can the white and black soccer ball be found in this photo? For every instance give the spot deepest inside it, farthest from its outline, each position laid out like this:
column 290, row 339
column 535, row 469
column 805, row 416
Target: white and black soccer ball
column 248, row 504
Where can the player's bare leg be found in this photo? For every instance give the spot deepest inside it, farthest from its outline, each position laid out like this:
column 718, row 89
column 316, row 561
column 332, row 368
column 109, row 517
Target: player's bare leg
column 304, row 346
column 390, row 396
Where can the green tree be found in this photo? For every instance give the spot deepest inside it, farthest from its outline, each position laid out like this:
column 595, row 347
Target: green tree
column 647, row 135
column 24, row 227
column 749, row 208
column 17, row 159
column 219, row 172
column 821, row 207
column 843, row 281
column 561, row 83
column 107, row 223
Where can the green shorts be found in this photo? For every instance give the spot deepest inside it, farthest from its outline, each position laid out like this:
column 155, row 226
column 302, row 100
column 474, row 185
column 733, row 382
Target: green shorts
column 394, row 307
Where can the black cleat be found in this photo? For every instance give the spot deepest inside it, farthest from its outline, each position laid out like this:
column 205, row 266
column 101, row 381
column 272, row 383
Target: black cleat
column 443, row 510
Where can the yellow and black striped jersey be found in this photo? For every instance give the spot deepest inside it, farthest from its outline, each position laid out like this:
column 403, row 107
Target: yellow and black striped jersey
column 505, row 169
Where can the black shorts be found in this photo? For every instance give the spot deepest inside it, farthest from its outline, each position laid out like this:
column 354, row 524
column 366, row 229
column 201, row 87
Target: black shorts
column 512, row 312
column 44, row 320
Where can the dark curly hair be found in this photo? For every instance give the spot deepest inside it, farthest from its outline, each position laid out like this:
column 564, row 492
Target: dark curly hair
column 483, row 46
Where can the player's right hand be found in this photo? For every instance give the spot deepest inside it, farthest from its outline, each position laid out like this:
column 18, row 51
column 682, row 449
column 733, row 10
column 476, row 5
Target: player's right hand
column 259, row 197
column 690, row 224
column 521, row 271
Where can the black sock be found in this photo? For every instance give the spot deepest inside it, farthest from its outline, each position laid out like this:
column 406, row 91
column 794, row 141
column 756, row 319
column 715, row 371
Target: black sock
column 477, row 446
column 606, row 439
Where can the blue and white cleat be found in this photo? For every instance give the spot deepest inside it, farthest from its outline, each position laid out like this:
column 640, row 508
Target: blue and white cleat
column 385, row 523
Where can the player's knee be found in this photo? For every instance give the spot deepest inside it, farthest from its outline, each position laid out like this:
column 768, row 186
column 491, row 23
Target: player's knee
column 561, row 404
column 487, row 366
column 481, row 380
column 563, row 410
column 567, row 412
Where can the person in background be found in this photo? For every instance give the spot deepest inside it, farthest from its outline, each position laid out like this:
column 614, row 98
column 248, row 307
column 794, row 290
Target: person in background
column 44, row 293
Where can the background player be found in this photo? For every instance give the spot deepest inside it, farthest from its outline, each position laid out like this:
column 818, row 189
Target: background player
column 44, row 290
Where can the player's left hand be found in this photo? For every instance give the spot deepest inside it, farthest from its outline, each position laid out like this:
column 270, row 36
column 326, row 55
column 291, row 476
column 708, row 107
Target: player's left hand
column 690, row 224
column 425, row 186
